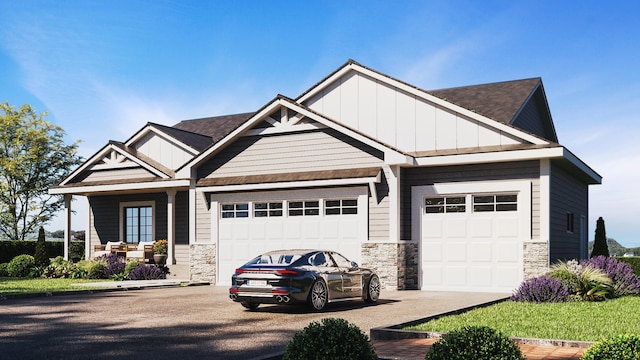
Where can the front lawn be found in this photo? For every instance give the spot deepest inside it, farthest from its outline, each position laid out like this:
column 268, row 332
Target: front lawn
column 38, row 285
column 582, row 321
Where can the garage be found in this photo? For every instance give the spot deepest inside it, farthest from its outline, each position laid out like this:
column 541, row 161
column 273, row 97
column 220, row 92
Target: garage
column 471, row 235
column 248, row 224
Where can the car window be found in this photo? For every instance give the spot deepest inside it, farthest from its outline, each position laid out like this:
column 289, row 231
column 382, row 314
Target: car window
column 321, row 260
column 341, row 261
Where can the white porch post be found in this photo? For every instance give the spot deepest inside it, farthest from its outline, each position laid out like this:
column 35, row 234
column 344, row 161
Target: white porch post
column 393, row 180
column 171, row 225
column 67, row 225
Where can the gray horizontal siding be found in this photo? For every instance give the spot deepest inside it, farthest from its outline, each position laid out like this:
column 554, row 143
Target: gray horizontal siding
column 203, row 218
column 567, row 194
column 422, row 176
column 116, row 174
column 306, row 151
column 379, row 210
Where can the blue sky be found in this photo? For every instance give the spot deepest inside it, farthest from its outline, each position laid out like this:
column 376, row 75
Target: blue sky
column 103, row 69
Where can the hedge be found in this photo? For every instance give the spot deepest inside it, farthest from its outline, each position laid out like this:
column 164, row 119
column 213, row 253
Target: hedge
column 11, row 249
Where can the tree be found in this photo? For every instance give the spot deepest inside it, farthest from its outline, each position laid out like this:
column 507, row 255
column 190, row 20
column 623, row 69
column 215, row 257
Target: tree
column 41, row 257
column 33, row 157
column 600, row 242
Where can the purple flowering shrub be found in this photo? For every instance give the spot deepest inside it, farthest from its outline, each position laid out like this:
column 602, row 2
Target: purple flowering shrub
column 147, row 272
column 542, row 289
column 624, row 281
column 114, row 265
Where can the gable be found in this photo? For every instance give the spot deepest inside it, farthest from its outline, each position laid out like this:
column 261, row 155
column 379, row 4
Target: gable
column 402, row 119
column 163, row 150
column 112, row 166
column 535, row 117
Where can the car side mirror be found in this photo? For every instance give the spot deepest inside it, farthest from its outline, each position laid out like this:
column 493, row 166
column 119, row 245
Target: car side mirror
column 354, row 264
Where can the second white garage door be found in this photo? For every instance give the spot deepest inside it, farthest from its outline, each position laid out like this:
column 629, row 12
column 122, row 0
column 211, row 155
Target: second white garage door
column 249, row 224
column 471, row 235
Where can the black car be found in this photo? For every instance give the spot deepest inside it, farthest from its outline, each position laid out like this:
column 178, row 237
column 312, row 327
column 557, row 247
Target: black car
column 316, row 277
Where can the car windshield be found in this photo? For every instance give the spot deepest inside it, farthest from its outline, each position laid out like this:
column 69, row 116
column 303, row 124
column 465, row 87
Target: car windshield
column 275, row 259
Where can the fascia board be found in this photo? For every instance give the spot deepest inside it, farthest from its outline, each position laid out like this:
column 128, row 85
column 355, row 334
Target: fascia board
column 89, row 162
column 185, row 170
column 597, row 178
column 501, row 156
column 151, row 128
column 290, row 184
column 119, row 187
column 141, row 163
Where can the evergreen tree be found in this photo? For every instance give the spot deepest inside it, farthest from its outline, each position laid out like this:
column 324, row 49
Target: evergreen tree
column 41, row 257
column 600, row 242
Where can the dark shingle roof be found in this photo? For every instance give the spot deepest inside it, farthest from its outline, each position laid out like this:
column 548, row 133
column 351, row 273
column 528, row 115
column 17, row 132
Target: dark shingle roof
column 214, row 127
column 195, row 140
column 499, row 101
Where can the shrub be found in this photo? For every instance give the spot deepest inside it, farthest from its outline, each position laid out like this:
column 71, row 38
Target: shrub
column 634, row 261
column 114, row 265
column 542, row 289
column 131, row 265
column 4, row 272
column 161, row 247
column 329, row 339
column 474, row 342
column 147, row 272
column 567, row 273
column 76, row 251
column 41, row 257
column 21, row 266
column 624, row 281
column 619, row 347
column 593, row 284
column 96, row 269
column 59, row 268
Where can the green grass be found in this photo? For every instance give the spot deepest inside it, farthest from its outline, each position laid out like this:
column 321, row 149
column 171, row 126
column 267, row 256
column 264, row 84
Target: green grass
column 27, row 286
column 582, row 321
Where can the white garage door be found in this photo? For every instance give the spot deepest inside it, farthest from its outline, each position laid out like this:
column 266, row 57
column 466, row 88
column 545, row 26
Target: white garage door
column 334, row 220
column 473, row 241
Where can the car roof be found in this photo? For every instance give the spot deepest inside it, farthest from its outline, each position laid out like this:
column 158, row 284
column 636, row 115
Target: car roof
column 293, row 251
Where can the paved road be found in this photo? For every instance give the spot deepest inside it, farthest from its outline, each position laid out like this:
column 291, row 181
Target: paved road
column 196, row 322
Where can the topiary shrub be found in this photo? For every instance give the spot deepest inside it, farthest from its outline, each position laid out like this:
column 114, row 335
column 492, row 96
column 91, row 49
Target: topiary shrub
column 4, row 272
column 41, row 257
column 147, row 272
column 619, row 347
column 474, row 342
column 331, row 338
column 542, row 289
column 21, row 266
column 624, row 281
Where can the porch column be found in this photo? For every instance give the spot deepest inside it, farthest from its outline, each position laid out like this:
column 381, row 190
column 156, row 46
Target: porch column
column 67, row 225
column 171, row 225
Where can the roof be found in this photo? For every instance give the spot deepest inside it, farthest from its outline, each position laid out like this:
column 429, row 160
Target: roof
column 216, row 127
column 195, row 140
column 499, row 101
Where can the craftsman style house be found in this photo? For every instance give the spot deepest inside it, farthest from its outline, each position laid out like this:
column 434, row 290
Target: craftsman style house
column 455, row 189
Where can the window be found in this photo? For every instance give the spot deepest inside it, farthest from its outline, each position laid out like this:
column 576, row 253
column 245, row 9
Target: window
column 138, row 224
column 570, row 222
column 304, row 208
column 240, row 210
column 493, row 203
column 267, row 209
column 438, row 205
column 344, row 207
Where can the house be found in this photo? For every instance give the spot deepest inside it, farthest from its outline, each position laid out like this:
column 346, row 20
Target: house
column 461, row 189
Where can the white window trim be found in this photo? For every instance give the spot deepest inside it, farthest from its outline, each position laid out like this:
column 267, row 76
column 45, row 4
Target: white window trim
column 137, row 204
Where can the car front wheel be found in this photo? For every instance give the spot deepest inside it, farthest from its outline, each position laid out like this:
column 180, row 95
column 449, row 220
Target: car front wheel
column 318, row 295
column 373, row 289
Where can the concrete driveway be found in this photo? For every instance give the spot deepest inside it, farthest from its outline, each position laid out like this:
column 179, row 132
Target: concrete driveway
column 195, row 322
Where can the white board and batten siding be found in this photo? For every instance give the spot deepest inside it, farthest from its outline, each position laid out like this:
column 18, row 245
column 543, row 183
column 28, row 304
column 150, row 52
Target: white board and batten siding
column 163, row 151
column 400, row 119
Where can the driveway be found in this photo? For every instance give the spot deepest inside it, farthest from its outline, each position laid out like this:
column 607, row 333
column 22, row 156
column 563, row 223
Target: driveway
column 196, row 322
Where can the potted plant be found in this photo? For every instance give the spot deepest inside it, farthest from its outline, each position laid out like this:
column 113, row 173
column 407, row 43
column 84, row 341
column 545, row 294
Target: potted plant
column 160, row 249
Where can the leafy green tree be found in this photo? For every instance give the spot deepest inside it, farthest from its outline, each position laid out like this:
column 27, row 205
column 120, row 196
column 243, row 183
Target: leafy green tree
column 33, row 157
column 600, row 242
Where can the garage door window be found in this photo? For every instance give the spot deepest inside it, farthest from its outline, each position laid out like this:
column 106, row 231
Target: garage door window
column 271, row 209
column 440, row 205
column 493, row 203
column 239, row 210
column 341, row 207
column 304, row 208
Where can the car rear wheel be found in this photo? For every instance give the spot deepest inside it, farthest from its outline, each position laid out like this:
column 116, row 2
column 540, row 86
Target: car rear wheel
column 250, row 305
column 373, row 289
column 318, row 295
